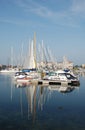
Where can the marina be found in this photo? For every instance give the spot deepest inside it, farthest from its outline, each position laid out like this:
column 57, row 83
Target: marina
column 41, row 95
column 33, row 106
column 42, row 65
column 58, row 77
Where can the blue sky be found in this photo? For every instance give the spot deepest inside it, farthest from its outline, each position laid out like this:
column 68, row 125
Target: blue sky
column 59, row 23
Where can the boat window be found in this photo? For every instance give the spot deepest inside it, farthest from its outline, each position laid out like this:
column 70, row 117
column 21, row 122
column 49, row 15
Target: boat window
column 51, row 74
column 61, row 74
column 69, row 76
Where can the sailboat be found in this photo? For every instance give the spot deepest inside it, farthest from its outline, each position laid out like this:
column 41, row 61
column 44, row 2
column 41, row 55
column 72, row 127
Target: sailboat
column 30, row 69
column 11, row 69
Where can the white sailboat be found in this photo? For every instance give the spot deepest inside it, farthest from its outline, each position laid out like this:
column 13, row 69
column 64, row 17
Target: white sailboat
column 30, row 68
column 32, row 62
column 9, row 70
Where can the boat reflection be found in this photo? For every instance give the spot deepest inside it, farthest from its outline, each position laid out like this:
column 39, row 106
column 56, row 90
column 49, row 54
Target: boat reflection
column 38, row 95
column 22, row 85
column 62, row 89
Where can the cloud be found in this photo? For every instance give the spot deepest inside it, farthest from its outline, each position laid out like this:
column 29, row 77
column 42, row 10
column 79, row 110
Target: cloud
column 15, row 21
column 40, row 10
column 67, row 17
column 34, row 7
column 78, row 6
column 10, row 21
column 2, row 20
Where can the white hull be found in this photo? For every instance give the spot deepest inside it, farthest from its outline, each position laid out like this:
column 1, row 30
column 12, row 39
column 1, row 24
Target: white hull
column 8, row 71
column 23, row 80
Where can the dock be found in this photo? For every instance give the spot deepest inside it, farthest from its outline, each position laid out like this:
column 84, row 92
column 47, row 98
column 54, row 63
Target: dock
column 50, row 82
column 55, row 82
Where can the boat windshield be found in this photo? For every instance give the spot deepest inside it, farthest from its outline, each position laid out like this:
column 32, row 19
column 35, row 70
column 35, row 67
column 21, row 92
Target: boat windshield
column 51, row 74
column 61, row 74
column 69, row 76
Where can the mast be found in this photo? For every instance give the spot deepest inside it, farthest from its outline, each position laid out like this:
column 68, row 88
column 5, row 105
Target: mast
column 31, row 60
column 11, row 56
column 22, row 56
column 34, row 48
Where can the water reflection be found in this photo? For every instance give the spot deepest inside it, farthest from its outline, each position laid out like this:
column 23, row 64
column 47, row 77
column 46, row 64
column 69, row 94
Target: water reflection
column 33, row 107
column 21, row 85
column 82, row 74
column 62, row 89
column 38, row 95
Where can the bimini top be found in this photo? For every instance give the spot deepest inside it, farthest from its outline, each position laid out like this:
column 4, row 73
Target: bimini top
column 28, row 70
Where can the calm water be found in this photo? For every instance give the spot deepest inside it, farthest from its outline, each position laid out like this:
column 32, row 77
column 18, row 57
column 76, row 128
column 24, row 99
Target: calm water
column 41, row 107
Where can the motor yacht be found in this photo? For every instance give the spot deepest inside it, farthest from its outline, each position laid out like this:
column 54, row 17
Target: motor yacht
column 62, row 76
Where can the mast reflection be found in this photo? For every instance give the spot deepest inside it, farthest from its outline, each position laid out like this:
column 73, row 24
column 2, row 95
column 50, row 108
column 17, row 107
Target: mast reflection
column 37, row 96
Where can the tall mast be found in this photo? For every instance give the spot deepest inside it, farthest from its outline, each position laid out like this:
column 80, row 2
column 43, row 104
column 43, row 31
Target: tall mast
column 34, row 41
column 12, row 56
column 22, row 56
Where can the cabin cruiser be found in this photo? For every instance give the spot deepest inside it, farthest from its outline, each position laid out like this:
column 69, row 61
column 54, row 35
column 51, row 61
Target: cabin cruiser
column 26, row 75
column 62, row 76
column 20, row 75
